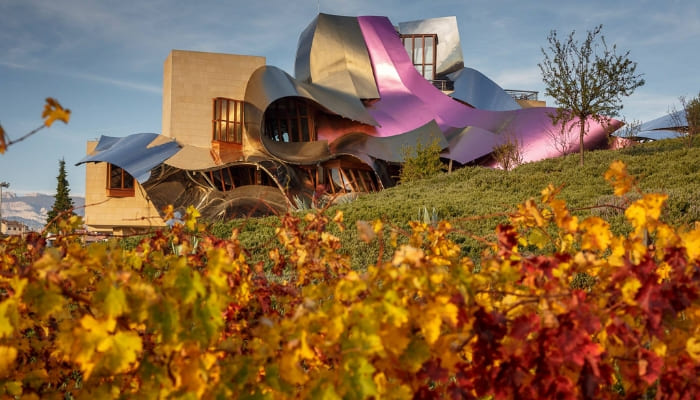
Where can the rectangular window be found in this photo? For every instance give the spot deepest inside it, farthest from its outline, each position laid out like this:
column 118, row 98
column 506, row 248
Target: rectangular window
column 228, row 120
column 119, row 182
column 421, row 48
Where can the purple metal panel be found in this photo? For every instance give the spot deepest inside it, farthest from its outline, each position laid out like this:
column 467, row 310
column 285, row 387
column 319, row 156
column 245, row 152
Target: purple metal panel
column 408, row 101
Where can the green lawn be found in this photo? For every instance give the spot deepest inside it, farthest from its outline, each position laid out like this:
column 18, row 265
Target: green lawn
column 469, row 193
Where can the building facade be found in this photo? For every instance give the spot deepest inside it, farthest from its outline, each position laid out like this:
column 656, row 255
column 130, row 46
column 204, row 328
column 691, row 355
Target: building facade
column 240, row 137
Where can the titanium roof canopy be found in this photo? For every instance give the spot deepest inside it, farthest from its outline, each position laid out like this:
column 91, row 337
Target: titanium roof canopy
column 331, row 52
column 449, row 47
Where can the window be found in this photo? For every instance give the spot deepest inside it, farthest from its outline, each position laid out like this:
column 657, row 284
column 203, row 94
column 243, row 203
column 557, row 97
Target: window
column 228, row 178
column 421, row 49
column 344, row 175
column 290, row 120
column 119, row 182
column 228, row 120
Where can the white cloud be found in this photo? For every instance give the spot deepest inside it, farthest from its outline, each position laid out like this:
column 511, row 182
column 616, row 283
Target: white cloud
column 89, row 77
column 523, row 79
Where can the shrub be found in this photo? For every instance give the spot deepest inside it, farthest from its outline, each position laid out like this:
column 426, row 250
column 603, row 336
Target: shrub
column 509, row 154
column 203, row 321
column 421, row 161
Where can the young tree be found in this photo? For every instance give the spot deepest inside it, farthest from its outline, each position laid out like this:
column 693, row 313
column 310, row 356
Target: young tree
column 421, row 161
column 687, row 120
column 587, row 80
column 63, row 202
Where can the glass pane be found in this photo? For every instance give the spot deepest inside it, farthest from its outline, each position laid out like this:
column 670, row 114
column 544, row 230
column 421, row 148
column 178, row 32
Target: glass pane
column 237, row 112
column 239, row 133
column 429, row 49
column 115, row 178
column 303, row 108
column 408, row 45
column 428, row 72
column 217, row 109
column 284, row 131
column 128, row 181
column 418, row 51
column 230, row 134
column 305, row 129
column 295, row 130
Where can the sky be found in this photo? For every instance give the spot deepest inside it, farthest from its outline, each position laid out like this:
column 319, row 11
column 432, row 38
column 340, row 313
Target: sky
column 104, row 59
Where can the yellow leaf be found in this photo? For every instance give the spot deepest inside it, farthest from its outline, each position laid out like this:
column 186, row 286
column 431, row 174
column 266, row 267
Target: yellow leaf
column 692, row 346
column 659, row 348
column 621, row 180
column 7, row 359
column 430, row 320
column 644, row 212
column 54, row 111
column 691, row 242
column 305, row 351
column 168, row 212
column 191, row 217
column 115, row 302
column 290, row 369
column 629, row 290
column 6, row 328
column 124, row 350
column 395, row 339
column 596, row 234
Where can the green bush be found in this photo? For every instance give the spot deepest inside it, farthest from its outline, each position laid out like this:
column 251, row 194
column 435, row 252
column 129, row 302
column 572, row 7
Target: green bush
column 421, row 161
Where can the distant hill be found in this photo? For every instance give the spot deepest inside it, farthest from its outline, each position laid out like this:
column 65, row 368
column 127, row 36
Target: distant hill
column 31, row 209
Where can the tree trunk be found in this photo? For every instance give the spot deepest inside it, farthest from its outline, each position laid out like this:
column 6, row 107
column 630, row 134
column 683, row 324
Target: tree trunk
column 582, row 132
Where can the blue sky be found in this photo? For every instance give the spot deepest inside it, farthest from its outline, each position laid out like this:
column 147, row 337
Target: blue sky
column 104, row 59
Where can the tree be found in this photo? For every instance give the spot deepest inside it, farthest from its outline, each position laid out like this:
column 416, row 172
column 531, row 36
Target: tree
column 63, row 202
column 587, row 80
column 687, row 120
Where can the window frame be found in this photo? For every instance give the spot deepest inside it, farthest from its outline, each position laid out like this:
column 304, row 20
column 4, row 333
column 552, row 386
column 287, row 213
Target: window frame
column 123, row 189
column 280, row 114
column 228, row 118
column 420, row 66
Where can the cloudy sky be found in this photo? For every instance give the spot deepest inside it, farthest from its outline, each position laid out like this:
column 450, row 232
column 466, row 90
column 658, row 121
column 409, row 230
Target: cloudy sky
column 104, row 59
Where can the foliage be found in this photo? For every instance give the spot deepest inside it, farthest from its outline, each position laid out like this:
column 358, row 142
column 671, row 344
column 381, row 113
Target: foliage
column 587, row 80
column 52, row 111
column 421, row 161
column 474, row 198
column 203, row 321
column 688, row 119
column 63, row 204
column 509, row 154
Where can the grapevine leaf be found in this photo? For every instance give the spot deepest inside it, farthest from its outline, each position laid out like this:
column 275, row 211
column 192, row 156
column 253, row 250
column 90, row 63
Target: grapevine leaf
column 6, row 326
column 45, row 300
column 54, row 111
column 3, row 142
column 124, row 349
column 692, row 346
column 8, row 355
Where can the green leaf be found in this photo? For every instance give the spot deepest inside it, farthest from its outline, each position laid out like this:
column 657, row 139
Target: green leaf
column 125, row 349
column 415, row 355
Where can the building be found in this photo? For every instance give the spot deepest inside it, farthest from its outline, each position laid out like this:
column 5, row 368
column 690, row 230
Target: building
column 13, row 228
column 240, row 137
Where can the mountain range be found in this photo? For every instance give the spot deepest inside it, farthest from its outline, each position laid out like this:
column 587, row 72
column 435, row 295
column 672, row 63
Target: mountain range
column 31, row 209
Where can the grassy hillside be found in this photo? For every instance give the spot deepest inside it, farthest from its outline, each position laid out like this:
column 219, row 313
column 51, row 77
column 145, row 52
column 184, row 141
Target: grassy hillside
column 466, row 194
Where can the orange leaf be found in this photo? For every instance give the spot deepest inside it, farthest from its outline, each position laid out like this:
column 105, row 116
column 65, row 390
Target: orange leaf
column 3, row 144
column 54, row 111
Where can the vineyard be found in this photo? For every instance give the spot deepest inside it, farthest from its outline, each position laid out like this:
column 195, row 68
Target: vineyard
column 555, row 306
